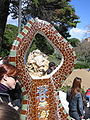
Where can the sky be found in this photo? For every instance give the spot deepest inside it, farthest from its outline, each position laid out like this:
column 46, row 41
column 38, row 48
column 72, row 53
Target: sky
column 82, row 9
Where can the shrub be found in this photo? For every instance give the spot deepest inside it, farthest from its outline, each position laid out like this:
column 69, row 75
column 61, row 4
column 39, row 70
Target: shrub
column 65, row 89
column 80, row 65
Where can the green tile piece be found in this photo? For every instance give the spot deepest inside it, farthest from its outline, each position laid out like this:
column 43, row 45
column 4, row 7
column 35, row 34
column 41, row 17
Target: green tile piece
column 28, row 25
column 13, row 63
column 25, row 97
column 24, row 107
column 23, row 89
column 25, row 31
column 20, row 36
column 16, row 42
column 60, row 105
column 13, row 53
column 65, row 111
column 70, row 118
column 23, row 117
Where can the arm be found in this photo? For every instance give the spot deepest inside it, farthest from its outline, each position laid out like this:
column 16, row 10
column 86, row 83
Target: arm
column 68, row 96
column 80, row 104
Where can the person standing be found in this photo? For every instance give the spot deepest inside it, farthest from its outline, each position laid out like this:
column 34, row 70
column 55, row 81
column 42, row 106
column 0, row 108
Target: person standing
column 87, row 95
column 74, row 97
column 87, row 107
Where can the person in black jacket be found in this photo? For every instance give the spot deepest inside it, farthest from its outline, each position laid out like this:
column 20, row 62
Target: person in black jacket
column 8, row 80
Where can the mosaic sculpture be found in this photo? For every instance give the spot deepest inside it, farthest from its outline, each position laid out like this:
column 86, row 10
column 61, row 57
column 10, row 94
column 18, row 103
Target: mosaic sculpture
column 40, row 95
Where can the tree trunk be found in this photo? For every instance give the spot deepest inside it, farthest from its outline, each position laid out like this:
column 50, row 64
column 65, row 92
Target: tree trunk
column 4, row 11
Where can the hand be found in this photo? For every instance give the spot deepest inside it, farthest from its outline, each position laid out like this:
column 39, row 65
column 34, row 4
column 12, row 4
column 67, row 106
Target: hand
column 10, row 104
column 16, row 107
column 81, row 117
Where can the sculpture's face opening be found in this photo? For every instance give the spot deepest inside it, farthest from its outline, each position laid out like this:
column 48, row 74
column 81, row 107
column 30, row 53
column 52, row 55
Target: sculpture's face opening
column 41, row 58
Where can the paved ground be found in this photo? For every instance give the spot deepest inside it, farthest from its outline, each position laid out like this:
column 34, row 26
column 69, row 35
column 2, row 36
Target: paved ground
column 82, row 73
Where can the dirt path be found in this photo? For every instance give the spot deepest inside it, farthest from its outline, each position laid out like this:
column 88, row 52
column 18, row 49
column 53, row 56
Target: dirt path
column 82, row 73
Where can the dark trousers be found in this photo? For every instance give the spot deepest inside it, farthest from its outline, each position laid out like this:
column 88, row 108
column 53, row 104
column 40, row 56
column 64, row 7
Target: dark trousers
column 87, row 112
column 75, row 115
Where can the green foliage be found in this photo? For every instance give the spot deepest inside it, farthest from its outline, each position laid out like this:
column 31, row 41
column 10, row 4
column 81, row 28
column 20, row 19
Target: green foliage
column 9, row 36
column 83, row 54
column 52, row 58
column 33, row 46
column 64, row 88
column 4, row 11
column 58, row 12
column 4, row 52
column 81, row 65
column 10, row 33
column 74, row 41
column 42, row 44
column 36, row 2
column 50, row 1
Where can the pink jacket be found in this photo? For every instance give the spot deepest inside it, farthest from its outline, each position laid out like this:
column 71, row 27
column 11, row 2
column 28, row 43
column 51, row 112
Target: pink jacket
column 88, row 92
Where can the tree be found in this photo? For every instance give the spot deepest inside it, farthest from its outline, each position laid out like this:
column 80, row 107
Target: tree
column 74, row 42
column 43, row 45
column 58, row 12
column 87, row 33
column 9, row 7
column 9, row 36
column 4, row 11
column 83, row 52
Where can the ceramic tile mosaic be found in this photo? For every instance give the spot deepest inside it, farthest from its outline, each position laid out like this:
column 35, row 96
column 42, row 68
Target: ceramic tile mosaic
column 40, row 96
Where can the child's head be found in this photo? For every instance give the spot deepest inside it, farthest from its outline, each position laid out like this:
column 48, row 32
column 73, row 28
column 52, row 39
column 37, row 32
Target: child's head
column 52, row 67
column 51, row 64
column 49, row 71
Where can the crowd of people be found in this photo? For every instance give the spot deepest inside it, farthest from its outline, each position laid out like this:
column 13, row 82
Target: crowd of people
column 10, row 91
column 11, row 95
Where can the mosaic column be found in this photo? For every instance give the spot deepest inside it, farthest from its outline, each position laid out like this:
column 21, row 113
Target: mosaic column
column 40, row 96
